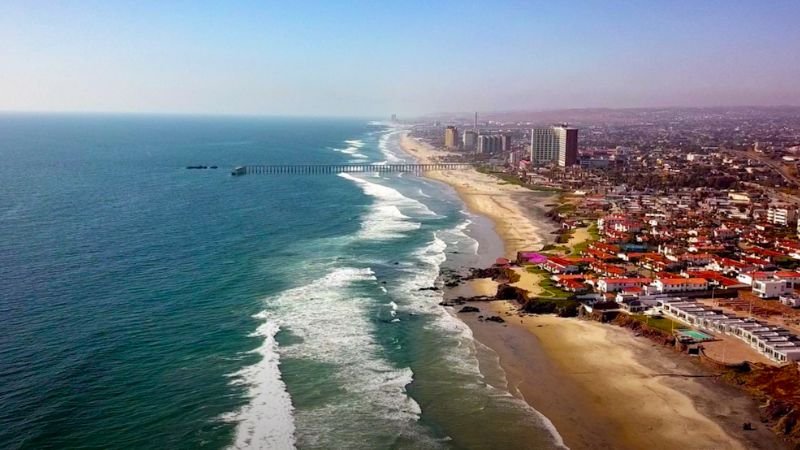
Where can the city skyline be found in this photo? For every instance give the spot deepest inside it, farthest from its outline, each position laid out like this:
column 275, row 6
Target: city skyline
column 373, row 60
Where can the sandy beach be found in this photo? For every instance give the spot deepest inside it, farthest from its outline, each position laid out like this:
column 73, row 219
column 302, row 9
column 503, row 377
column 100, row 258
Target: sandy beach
column 517, row 212
column 601, row 386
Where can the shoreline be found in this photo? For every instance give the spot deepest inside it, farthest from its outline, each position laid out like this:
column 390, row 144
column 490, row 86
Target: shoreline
column 578, row 373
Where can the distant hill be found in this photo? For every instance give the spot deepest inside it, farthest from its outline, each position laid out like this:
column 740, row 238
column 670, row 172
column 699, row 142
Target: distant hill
column 627, row 115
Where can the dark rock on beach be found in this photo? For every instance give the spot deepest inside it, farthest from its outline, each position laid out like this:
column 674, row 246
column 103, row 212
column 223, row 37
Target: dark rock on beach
column 469, row 309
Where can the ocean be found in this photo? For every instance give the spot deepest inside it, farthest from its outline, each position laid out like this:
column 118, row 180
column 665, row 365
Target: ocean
column 145, row 305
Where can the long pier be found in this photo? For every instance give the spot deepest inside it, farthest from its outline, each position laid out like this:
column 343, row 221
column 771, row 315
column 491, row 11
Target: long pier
column 309, row 169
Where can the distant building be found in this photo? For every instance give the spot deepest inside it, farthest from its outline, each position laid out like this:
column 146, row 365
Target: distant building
column 594, row 163
column 557, row 144
column 394, row 117
column 489, row 144
column 470, row 140
column 781, row 215
column 505, row 143
column 451, row 140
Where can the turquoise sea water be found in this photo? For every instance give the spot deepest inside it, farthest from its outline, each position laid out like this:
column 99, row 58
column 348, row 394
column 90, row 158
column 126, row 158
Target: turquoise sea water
column 149, row 306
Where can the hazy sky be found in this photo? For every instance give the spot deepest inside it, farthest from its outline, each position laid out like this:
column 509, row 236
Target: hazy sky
column 378, row 57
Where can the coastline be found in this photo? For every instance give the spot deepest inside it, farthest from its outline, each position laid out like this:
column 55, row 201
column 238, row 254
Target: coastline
column 578, row 373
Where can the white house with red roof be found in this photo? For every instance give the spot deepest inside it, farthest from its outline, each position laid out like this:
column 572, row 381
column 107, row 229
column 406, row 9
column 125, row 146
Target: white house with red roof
column 555, row 264
column 670, row 285
column 790, row 276
column 619, row 284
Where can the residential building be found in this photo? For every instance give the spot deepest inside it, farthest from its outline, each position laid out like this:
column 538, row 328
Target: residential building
column 489, row 143
column 771, row 288
column 781, row 215
column 618, row 284
column 470, row 140
column 451, row 140
column 790, row 299
column 671, row 285
column 505, row 143
column 557, row 144
column 774, row 342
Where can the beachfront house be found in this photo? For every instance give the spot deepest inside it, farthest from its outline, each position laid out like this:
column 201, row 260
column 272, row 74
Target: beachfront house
column 672, row 285
column 618, row 284
column 774, row 342
column 771, row 288
column 555, row 264
column 790, row 299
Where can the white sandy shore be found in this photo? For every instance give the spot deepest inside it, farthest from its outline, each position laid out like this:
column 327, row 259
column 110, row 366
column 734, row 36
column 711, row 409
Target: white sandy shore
column 489, row 196
column 601, row 386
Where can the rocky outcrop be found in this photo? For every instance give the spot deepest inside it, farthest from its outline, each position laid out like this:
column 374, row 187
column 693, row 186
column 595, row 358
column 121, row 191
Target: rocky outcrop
column 431, row 288
column 559, row 307
column 469, row 309
column 508, row 292
column 461, row 300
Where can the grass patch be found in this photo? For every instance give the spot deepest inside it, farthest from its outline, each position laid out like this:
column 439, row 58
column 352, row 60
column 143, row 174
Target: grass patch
column 509, row 178
column 566, row 208
column 663, row 324
column 594, row 235
column 581, row 247
column 548, row 286
column 593, row 231
column 554, row 247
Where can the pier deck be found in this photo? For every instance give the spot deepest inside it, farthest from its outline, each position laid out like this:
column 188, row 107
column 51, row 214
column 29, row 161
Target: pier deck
column 309, row 169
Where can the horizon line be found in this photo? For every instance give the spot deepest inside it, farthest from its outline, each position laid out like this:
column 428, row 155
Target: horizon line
column 372, row 116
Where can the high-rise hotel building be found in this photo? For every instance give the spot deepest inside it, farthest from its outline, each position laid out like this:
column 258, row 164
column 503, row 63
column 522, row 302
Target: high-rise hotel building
column 470, row 140
column 557, row 144
column 489, row 144
column 451, row 138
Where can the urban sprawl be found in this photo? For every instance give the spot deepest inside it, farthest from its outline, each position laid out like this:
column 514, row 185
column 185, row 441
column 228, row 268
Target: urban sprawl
column 692, row 215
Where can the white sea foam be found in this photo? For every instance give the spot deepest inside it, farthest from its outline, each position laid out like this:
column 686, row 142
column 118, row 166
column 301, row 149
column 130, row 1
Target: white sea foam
column 352, row 150
column 463, row 357
column 357, row 143
column 384, row 147
column 386, row 218
column 266, row 422
column 332, row 320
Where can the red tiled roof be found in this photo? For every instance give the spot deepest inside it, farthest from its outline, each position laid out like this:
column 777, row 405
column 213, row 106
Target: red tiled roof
column 787, row 274
column 710, row 275
column 697, row 281
column 625, row 280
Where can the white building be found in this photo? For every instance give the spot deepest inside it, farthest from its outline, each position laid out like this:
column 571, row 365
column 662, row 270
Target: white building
column 470, row 140
column 771, row 288
column 558, row 144
column 671, row 285
column 618, row 284
column 781, row 215
column 774, row 342
column 790, row 300
column 489, row 143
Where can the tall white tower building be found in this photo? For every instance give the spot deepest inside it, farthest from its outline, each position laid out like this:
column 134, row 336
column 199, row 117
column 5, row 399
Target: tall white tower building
column 558, row 144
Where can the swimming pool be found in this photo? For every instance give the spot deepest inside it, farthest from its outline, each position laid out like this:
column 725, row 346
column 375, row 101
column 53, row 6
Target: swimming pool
column 696, row 335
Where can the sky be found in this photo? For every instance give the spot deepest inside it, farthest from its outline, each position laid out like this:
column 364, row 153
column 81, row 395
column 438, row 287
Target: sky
column 375, row 58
